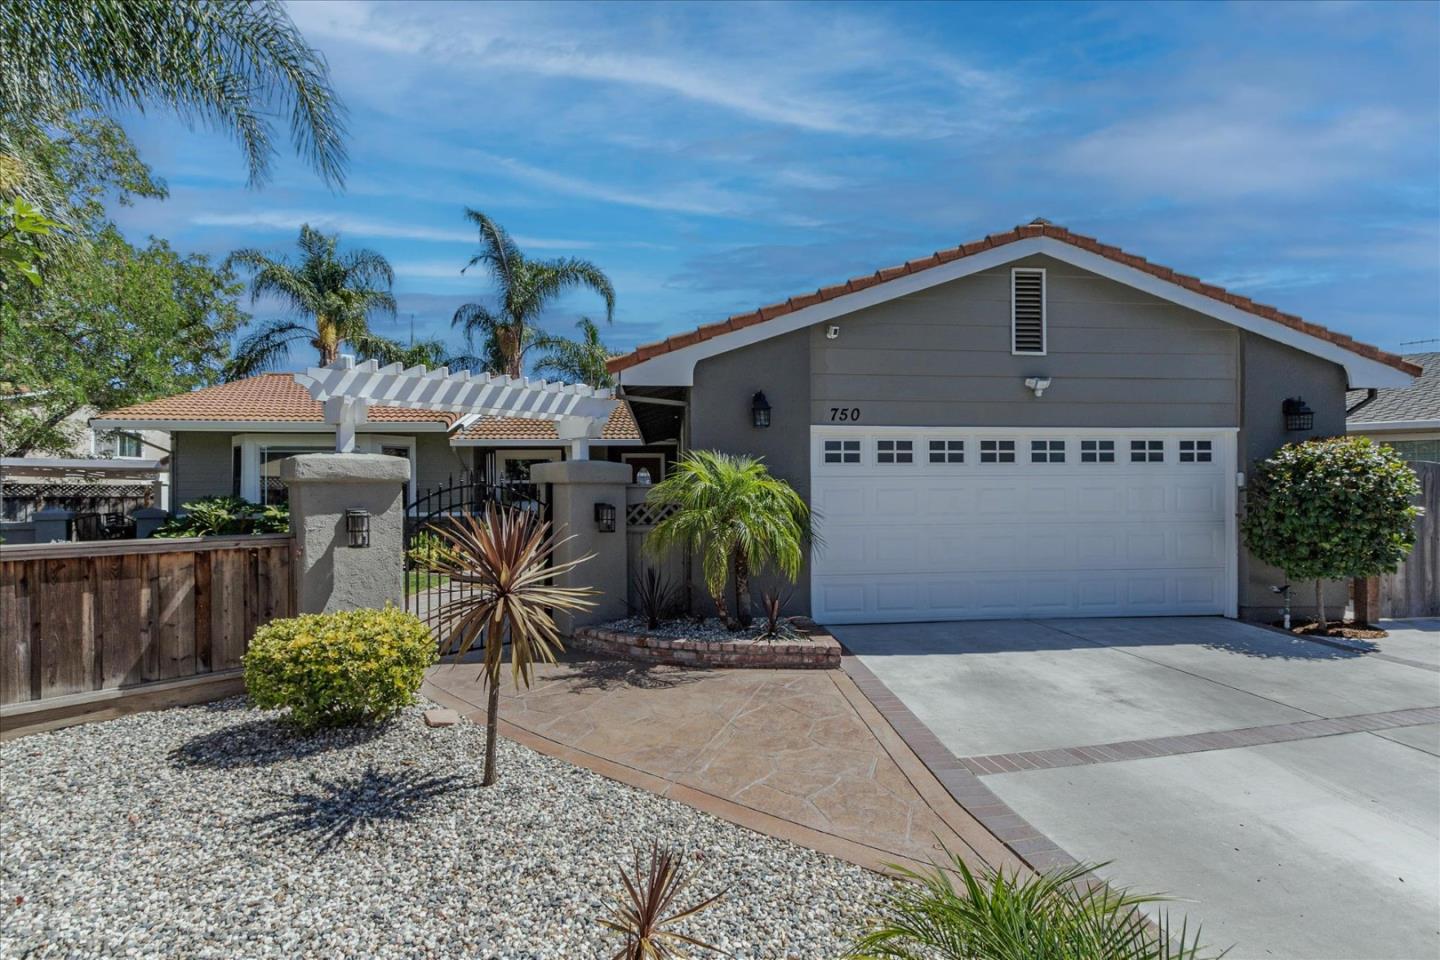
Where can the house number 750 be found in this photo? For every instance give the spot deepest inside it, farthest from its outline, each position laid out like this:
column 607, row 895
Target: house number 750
column 844, row 413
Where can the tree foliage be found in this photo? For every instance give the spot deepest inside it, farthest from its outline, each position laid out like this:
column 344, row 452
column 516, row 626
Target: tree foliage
column 335, row 293
column 114, row 324
column 524, row 288
column 1331, row 509
column 576, row 361
column 231, row 65
column 738, row 517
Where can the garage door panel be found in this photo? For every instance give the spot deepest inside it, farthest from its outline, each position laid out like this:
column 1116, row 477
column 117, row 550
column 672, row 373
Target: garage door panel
column 929, row 541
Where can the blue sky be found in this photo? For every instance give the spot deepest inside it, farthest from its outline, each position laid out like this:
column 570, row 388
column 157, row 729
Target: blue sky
column 713, row 158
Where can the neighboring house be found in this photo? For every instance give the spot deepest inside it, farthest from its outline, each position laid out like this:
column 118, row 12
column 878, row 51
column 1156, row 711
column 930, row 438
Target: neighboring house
column 1032, row 425
column 1406, row 418
column 230, row 439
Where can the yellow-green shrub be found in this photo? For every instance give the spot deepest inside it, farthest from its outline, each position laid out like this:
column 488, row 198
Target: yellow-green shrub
column 333, row 669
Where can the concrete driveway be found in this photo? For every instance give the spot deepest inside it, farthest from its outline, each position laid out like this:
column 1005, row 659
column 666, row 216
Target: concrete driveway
column 1287, row 790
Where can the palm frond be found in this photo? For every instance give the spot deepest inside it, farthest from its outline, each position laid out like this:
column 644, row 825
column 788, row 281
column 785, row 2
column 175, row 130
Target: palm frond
column 265, row 349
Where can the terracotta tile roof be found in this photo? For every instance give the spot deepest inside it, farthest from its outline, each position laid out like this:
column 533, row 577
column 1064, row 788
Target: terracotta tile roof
column 277, row 398
column 621, row 426
column 273, row 397
column 1419, row 401
column 1039, row 228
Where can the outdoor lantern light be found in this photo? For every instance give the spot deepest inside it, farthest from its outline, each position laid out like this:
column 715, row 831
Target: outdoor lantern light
column 760, row 409
column 357, row 527
column 605, row 517
column 1298, row 415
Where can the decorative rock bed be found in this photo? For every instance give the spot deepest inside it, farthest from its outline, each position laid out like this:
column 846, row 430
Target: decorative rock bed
column 708, row 644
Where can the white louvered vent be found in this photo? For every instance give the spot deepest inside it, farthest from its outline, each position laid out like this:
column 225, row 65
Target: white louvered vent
column 1027, row 311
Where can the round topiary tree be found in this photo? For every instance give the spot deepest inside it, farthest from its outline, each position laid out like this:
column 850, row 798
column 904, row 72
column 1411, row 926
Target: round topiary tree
column 1331, row 509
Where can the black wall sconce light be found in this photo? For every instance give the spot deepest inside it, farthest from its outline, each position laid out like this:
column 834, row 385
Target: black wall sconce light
column 760, row 410
column 605, row 517
column 1298, row 415
column 357, row 527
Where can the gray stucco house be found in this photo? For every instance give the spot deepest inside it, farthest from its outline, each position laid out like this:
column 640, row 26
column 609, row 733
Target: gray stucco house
column 1036, row 424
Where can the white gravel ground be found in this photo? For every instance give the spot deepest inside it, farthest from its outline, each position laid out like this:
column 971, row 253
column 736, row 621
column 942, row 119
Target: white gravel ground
column 210, row 832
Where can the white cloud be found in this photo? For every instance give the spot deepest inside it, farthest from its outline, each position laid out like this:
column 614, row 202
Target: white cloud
column 288, row 220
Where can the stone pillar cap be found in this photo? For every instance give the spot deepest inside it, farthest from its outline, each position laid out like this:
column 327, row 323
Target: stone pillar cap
column 581, row 471
column 344, row 468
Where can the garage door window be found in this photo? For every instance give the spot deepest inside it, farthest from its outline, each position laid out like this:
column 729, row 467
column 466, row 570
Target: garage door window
column 997, row 451
column 1194, row 451
column 1097, row 451
column 894, row 451
column 1147, row 451
column 1047, row 451
column 842, row 451
column 947, row 451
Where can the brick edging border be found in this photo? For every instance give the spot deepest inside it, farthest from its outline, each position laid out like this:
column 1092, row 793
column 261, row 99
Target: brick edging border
column 818, row 651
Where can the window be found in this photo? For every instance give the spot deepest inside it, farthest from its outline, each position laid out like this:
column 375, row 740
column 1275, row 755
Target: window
column 1147, row 451
column 127, row 445
column 997, row 451
column 842, row 451
column 1194, row 451
column 1097, row 451
column 947, row 451
column 1027, row 311
column 272, row 488
column 1047, row 451
column 1415, row 450
column 894, row 451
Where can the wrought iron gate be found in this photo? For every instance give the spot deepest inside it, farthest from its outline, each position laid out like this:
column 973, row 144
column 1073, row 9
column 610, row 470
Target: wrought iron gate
column 427, row 592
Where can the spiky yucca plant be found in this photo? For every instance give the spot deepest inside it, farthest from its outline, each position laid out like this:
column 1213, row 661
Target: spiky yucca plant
column 1063, row 915
column 645, row 914
column 505, row 558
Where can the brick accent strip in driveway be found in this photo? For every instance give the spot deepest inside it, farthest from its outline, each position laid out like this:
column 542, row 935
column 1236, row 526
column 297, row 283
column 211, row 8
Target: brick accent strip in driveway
column 1197, row 742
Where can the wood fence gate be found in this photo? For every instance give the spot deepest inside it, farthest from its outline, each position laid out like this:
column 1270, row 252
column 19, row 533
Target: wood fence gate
column 1414, row 589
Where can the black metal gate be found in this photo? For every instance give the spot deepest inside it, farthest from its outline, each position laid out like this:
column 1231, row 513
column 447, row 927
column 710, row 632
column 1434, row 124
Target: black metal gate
column 427, row 592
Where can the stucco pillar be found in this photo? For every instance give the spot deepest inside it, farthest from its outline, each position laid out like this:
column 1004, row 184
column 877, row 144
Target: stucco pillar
column 575, row 487
column 52, row 524
column 147, row 520
column 329, row 573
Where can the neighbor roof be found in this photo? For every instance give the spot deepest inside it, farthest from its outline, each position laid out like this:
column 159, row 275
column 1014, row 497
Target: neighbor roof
column 1419, row 401
column 1036, row 229
column 277, row 398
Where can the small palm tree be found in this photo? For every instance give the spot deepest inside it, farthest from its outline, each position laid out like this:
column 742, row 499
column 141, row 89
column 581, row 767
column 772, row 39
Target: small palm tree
column 1063, row 915
column 524, row 288
column 230, row 64
column 645, row 913
column 738, row 517
column 422, row 353
column 576, row 361
column 337, row 292
column 505, row 561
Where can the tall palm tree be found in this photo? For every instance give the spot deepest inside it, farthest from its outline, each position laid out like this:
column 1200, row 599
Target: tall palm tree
column 336, row 292
column 423, row 353
column 576, row 361
column 228, row 64
column 738, row 517
column 524, row 288
column 505, row 561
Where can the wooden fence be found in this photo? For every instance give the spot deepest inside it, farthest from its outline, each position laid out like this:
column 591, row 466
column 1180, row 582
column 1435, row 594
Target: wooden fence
column 1414, row 589
column 81, row 618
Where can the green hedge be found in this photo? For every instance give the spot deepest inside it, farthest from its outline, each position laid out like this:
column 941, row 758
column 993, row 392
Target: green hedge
column 335, row 669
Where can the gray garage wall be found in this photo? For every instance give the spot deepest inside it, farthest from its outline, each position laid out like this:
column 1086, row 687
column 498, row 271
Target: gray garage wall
column 1117, row 357
column 1271, row 373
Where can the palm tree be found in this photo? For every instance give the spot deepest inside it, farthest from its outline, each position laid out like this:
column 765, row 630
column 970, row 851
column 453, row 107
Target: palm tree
column 421, row 353
column 505, row 560
column 337, row 292
column 739, row 519
column 524, row 288
column 229, row 64
column 576, row 361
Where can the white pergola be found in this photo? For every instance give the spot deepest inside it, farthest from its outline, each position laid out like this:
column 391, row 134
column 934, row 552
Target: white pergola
column 347, row 390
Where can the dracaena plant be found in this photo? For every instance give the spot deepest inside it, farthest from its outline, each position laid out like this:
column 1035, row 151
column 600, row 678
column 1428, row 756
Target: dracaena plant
column 645, row 915
column 503, row 562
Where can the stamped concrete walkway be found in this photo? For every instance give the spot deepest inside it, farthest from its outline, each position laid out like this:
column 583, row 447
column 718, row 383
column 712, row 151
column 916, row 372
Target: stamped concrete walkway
column 797, row 754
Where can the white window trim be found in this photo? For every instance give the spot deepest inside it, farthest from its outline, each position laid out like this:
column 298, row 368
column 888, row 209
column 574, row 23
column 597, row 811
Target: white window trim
column 1044, row 313
column 251, row 444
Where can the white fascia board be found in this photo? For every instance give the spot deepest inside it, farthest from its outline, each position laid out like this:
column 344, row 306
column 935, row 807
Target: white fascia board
column 266, row 426
column 1382, row 426
column 677, row 368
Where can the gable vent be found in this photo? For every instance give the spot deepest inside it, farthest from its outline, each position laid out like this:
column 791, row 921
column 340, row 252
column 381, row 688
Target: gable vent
column 1027, row 311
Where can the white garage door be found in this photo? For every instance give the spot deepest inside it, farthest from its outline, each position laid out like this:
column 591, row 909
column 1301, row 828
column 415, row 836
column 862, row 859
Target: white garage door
column 941, row 524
